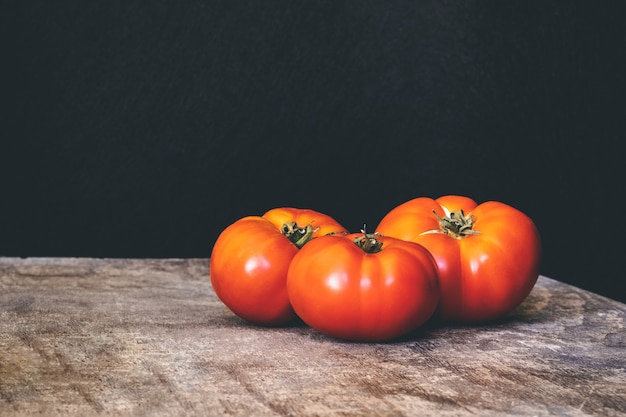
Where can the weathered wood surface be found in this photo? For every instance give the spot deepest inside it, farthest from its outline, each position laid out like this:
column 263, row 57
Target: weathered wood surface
column 149, row 337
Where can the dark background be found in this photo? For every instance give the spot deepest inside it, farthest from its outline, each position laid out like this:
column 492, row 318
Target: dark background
column 142, row 129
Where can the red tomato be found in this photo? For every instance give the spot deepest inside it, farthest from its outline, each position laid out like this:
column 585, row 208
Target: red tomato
column 250, row 259
column 488, row 255
column 363, row 287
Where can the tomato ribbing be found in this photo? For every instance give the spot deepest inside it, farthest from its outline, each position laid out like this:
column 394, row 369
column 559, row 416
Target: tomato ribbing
column 486, row 268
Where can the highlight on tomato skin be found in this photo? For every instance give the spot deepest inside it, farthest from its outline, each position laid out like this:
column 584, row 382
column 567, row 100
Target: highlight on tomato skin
column 488, row 254
column 250, row 259
column 375, row 294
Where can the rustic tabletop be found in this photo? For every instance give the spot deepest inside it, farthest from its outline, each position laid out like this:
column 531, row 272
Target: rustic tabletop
column 149, row 337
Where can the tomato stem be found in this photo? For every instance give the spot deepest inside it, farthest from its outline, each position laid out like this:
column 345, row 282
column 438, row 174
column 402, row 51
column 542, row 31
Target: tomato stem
column 457, row 224
column 368, row 242
column 299, row 236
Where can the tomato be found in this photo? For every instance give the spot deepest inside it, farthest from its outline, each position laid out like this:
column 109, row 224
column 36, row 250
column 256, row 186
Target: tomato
column 250, row 259
column 363, row 287
column 488, row 255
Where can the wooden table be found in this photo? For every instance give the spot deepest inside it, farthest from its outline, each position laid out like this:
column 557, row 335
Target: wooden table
column 81, row 337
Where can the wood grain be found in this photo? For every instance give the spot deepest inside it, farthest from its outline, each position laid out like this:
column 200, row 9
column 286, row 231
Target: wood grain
column 149, row 337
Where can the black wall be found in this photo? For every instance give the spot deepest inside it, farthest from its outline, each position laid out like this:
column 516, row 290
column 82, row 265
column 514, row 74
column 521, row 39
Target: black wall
column 142, row 129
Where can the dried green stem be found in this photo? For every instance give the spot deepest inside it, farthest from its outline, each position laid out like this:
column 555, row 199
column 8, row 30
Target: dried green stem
column 368, row 242
column 457, row 224
column 299, row 236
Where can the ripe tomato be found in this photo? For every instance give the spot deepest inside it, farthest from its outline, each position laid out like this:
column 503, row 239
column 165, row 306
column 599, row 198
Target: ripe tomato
column 488, row 255
column 363, row 287
column 250, row 259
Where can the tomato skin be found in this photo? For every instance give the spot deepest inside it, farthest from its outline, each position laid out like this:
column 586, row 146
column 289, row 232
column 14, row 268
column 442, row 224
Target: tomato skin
column 250, row 260
column 340, row 290
column 482, row 276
